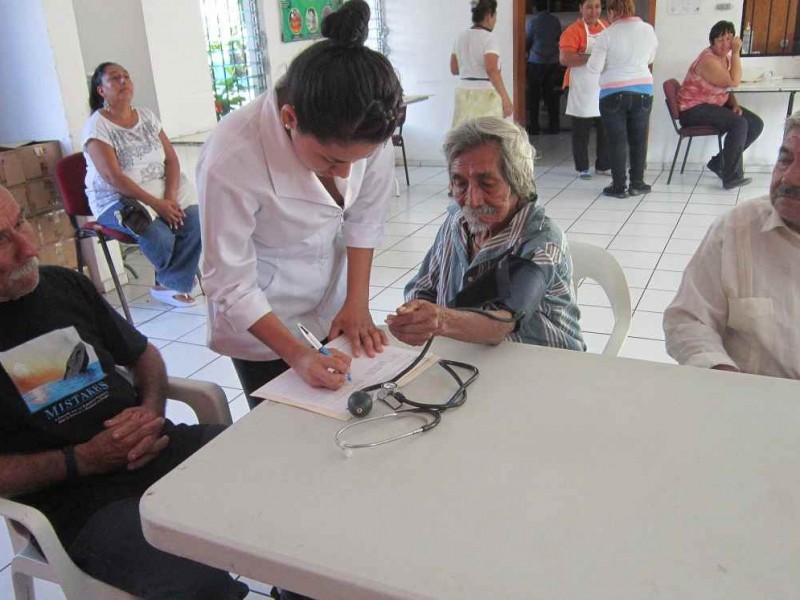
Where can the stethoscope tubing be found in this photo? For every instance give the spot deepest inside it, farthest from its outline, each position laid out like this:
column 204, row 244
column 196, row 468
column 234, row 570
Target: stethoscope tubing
column 437, row 417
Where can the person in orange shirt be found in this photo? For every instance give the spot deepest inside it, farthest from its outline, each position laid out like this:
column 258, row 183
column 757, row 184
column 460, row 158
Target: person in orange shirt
column 583, row 98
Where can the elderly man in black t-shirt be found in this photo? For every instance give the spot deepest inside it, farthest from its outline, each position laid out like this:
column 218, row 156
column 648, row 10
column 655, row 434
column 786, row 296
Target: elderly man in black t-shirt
column 77, row 440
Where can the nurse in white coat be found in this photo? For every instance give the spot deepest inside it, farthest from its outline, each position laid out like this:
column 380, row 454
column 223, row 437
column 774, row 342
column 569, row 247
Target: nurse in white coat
column 583, row 99
column 293, row 191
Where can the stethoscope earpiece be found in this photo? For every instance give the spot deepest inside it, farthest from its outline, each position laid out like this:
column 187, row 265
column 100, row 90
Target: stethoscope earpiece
column 359, row 403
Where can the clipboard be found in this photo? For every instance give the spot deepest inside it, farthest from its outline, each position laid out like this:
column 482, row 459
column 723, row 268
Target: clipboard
column 289, row 388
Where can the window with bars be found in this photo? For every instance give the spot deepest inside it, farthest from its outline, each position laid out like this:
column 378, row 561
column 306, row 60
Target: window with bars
column 377, row 27
column 235, row 52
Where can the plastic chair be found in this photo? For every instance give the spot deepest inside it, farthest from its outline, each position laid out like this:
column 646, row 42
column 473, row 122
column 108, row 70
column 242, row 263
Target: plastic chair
column 70, row 176
column 671, row 88
column 38, row 553
column 397, row 139
column 599, row 265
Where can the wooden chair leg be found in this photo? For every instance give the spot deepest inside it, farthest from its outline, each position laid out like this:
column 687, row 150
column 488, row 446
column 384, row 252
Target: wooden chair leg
column 674, row 159
column 685, row 156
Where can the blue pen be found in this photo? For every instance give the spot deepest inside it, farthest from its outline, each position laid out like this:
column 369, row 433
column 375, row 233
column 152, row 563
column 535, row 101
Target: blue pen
column 317, row 345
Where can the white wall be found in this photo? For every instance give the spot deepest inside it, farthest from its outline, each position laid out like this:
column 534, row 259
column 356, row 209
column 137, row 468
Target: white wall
column 35, row 70
column 278, row 53
column 420, row 40
column 181, row 75
column 681, row 39
column 114, row 31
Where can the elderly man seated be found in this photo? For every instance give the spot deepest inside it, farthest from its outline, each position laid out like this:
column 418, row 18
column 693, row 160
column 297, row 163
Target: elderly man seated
column 496, row 251
column 738, row 305
column 77, row 440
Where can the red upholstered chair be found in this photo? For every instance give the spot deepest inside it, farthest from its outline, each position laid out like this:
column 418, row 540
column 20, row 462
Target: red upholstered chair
column 70, row 176
column 671, row 88
column 397, row 139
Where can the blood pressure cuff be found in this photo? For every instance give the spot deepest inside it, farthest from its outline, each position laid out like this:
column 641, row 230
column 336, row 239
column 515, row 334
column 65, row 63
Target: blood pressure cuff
column 515, row 284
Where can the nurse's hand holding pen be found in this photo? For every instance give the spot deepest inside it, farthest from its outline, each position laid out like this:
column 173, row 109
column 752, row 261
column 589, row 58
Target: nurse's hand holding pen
column 322, row 371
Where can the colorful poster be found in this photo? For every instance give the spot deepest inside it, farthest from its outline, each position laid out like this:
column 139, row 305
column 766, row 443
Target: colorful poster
column 302, row 19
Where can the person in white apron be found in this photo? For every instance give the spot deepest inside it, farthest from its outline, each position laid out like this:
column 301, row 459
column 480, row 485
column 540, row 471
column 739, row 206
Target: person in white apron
column 583, row 98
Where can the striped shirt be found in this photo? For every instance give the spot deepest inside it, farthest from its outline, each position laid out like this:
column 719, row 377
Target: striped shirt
column 530, row 234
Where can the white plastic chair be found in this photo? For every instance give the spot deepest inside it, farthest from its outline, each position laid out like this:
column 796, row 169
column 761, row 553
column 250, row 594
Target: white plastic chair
column 50, row 561
column 598, row 264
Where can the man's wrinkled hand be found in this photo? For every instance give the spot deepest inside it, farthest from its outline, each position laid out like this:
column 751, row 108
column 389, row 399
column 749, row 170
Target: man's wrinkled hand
column 415, row 322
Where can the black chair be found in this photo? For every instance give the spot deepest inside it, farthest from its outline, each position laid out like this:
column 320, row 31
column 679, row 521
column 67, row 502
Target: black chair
column 397, row 139
column 671, row 88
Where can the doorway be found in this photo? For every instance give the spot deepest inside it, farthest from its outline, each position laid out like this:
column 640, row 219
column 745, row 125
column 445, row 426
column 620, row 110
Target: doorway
column 646, row 9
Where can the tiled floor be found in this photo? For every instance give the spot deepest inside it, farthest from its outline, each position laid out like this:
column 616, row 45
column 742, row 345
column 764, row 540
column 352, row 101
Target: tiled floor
column 652, row 237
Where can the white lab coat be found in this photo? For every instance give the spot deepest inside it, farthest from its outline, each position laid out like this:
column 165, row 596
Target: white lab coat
column 273, row 238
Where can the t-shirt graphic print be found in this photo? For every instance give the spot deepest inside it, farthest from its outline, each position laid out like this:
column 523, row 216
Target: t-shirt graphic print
column 57, row 373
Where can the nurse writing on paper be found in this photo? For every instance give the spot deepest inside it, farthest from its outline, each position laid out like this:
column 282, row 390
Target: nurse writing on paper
column 293, row 190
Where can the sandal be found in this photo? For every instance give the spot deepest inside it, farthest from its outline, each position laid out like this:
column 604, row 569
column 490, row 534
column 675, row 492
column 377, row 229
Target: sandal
column 172, row 298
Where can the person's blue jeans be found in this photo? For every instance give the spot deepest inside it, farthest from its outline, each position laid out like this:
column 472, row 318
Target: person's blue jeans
column 174, row 254
column 740, row 131
column 626, row 116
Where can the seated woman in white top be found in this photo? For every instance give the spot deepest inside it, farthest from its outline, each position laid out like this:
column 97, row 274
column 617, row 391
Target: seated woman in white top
column 476, row 60
column 293, row 192
column 130, row 159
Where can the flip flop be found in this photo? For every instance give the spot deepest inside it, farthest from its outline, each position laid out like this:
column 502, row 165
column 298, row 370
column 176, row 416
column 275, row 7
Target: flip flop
column 168, row 297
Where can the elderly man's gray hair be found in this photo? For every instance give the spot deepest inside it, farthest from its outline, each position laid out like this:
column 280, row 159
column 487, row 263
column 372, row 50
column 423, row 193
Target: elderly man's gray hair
column 516, row 153
column 792, row 122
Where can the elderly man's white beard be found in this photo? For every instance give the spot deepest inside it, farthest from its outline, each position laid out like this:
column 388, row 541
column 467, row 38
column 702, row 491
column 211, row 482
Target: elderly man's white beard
column 24, row 270
column 472, row 217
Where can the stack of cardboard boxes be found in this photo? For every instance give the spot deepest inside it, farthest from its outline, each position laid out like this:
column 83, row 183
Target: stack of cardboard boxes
column 28, row 172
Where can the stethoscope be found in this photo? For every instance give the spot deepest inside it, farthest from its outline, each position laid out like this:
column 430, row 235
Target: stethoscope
column 360, row 403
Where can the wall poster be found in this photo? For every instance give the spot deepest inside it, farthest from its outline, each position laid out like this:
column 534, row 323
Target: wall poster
column 302, row 19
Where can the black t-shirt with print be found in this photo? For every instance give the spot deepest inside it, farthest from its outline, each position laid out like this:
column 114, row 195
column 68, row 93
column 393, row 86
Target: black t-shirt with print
column 58, row 349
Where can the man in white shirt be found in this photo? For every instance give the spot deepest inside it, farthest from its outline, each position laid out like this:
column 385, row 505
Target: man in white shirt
column 739, row 302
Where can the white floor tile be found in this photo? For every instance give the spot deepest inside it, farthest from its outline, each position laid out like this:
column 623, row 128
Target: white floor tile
column 196, row 336
column 221, row 372
column 647, row 229
column 591, row 238
column 655, row 300
column 665, row 207
column 678, row 246
column 656, row 218
column 413, row 244
column 706, row 209
column 607, row 215
column 183, row 359
column 665, row 280
column 689, row 232
column 597, row 227
column 721, row 199
column 140, row 316
column 674, row 262
column 637, row 277
column 639, row 244
column 595, row 342
column 5, row 545
column 388, row 300
column 172, row 325
column 383, row 276
column 647, row 325
column 239, row 407
column 597, row 319
column 638, row 260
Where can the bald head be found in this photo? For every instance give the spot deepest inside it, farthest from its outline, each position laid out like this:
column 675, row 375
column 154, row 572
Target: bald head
column 19, row 267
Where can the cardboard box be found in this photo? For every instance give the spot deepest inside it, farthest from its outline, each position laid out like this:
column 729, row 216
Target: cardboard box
column 53, row 227
column 11, row 169
column 61, row 253
column 39, row 160
column 42, row 196
column 20, row 193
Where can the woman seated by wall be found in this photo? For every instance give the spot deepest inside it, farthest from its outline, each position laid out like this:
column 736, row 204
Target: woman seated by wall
column 135, row 185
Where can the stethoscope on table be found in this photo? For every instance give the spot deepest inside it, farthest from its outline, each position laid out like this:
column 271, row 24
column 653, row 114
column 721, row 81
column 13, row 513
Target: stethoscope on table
column 360, row 402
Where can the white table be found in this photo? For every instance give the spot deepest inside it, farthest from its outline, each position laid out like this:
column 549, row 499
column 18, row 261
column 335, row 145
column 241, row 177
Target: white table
column 790, row 86
column 565, row 476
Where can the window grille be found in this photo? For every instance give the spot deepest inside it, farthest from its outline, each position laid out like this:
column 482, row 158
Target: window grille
column 377, row 27
column 235, row 52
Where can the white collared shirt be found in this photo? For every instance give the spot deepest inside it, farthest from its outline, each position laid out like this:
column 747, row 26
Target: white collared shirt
column 739, row 301
column 273, row 237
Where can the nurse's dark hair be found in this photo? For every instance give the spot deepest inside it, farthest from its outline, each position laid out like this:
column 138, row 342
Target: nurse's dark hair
column 95, row 99
column 482, row 9
column 719, row 29
column 341, row 90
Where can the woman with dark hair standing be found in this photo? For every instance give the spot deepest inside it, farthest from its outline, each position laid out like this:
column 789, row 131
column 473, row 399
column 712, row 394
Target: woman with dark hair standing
column 293, row 189
column 622, row 55
column 129, row 158
column 476, row 60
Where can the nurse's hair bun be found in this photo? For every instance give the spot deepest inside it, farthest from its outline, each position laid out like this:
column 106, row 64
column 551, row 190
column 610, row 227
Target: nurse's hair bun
column 348, row 25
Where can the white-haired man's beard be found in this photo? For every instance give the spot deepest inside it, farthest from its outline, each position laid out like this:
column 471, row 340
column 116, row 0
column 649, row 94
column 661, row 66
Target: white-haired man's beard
column 20, row 281
column 472, row 217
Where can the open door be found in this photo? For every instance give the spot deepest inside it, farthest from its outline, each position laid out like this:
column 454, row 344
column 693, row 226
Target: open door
column 646, row 9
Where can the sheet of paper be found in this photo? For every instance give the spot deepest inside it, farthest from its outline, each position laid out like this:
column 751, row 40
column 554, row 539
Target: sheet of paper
column 289, row 388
